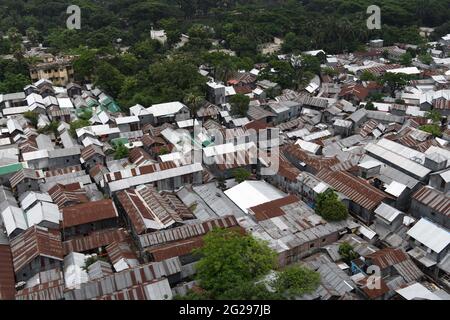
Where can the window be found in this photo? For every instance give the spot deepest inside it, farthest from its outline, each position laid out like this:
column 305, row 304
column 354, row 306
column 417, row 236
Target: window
column 311, row 245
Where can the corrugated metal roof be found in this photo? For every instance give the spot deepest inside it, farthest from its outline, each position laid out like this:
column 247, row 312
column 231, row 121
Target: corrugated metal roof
column 94, row 240
column 430, row 234
column 434, row 199
column 186, row 231
column 355, row 188
column 7, row 280
column 88, row 212
column 124, row 280
column 36, row 241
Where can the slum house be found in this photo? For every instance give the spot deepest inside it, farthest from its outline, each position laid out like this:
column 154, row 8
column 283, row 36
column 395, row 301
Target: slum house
column 7, row 279
column 144, row 282
column 146, row 210
column 430, row 243
column 37, row 249
column 164, row 176
column 91, row 156
column 394, row 262
column 84, row 218
column 292, row 228
column 180, row 241
column 26, row 180
column 95, row 241
column 169, row 112
column 363, row 198
column 305, row 161
column 66, row 195
column 431, row 204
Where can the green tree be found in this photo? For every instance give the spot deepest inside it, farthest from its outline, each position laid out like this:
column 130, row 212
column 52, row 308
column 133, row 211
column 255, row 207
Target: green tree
column 221, row 183
column 330, row 71
column 194, row 103
column 367, row 76
column 121, row 151
column 108, row 78
column 84, row 64
column 347, row 252
column 370, row 106
column 434, row 129
column 32, row 35
column 74, row 125
column 295, row 281
column 239, row 104
column 406, row 59
column 32, row 116
column 86, row 114
column 230, row 260
column 52, row 127
column 329, row 207
column 434, row 116
column 241, row 174
column 426, row 58
column 13, row 82
column 14, row 35
column 394, row 81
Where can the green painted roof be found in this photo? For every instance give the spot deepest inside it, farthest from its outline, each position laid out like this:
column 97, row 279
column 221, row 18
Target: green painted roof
column 10, row 168
column 91, row 103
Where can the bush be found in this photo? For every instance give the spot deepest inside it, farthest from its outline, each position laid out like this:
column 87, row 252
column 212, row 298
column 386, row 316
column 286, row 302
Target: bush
column 329, row 207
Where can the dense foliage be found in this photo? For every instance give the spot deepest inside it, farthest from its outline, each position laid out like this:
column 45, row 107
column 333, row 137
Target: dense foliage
column 144, row 74
column 237, row 266
column 347, row 252
column 230, row 260
column 330, row 207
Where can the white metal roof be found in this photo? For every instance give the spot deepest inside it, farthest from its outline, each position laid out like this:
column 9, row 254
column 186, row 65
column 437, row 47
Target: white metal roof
column 441, row 151
column 401, row 162
column 308, row 146
column 317, row 135
column 187, row 123
column 130, row 181
column 409, row 70
column 65, row 103
column 13, row 124
column 430, row 234
column 252, row 193
column 370, row 164
column 35, row 98
column 387, row 212
column 34, row 155
column 395, row 188
column 417, row 291
column 15, row 110
column 368, row 233
column 13, row 218
column 32, row 197
column 164, row 109
column 43, row 211
column 170, row 156
column 125, row 120
column 138, row 110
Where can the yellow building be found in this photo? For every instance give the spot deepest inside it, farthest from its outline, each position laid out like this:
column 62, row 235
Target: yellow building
column 58, row 70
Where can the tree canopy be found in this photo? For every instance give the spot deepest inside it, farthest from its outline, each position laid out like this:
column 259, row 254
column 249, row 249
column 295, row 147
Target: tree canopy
column 330, row 207
column 230, row 259
column 239, row 104
column 238, row 266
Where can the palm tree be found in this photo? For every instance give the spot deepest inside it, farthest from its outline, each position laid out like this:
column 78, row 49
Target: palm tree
column 194, row 102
